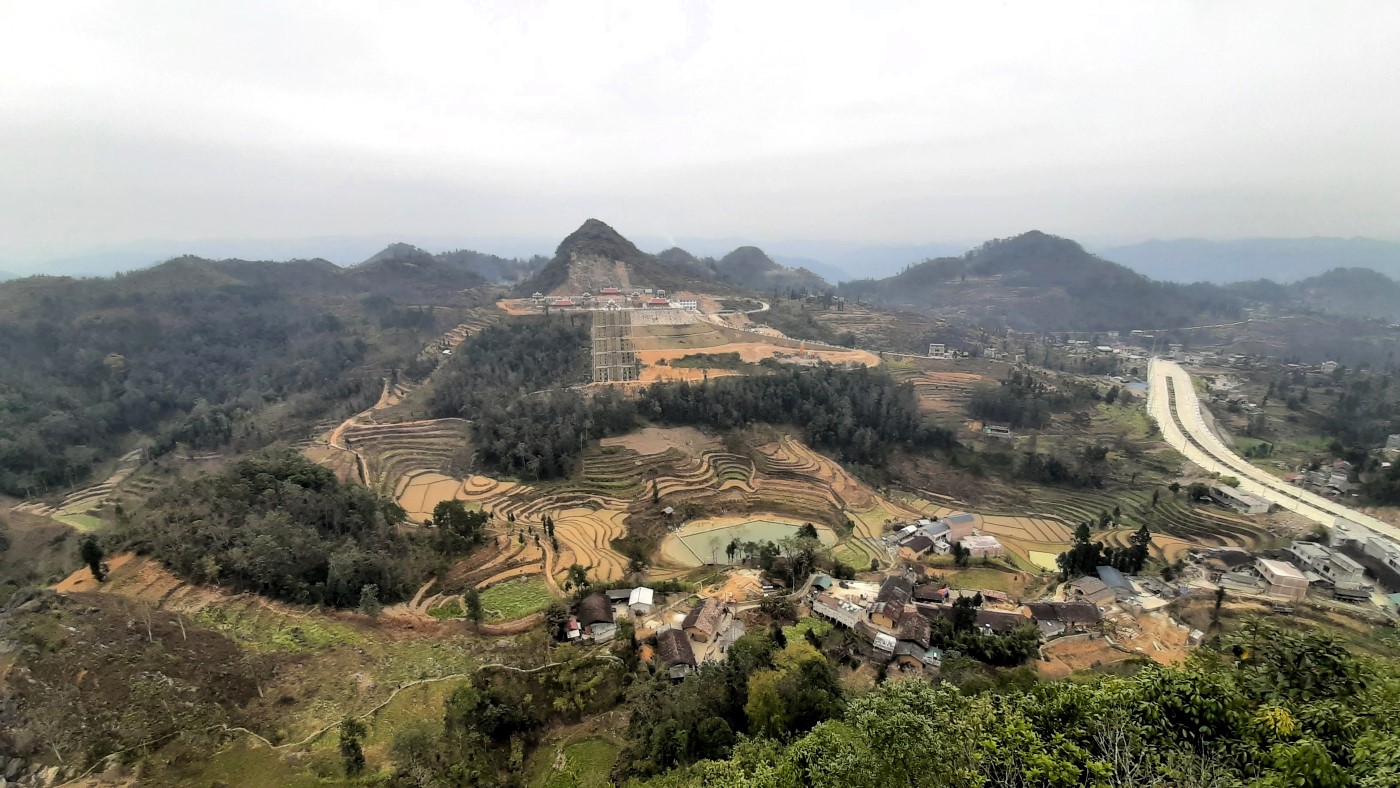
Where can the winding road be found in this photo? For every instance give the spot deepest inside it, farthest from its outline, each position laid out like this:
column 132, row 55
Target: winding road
column 1172, row 401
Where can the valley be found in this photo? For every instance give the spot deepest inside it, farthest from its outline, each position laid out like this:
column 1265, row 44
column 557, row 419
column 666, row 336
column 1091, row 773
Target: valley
column 538, row 499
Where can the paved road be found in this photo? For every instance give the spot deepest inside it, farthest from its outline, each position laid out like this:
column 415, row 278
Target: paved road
column 1172, row 401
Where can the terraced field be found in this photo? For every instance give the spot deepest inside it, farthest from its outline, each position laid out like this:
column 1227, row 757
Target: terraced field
column 942, row 386
column 80, row 508
column 391, row 451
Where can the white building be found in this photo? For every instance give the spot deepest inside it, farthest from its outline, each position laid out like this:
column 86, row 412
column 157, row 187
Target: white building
column 685, row 303
column 1283, row 579
column 641, row 601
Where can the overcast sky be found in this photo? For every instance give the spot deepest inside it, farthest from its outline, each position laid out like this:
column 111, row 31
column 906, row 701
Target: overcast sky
column 866, row 122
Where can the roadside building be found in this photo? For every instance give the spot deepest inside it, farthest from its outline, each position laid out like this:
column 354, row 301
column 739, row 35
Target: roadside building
column 703, row 620
column 1242, row 502
column 1392, row 443
column 1282, row 579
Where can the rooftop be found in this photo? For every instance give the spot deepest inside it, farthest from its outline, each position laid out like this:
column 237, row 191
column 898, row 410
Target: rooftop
column 1281, row 569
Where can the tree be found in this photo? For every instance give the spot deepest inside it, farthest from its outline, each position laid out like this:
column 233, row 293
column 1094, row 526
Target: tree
column 351, row 754
column 369, row 600
column 961, row 555
column 473, row 600
column 91, row 553
column 1156, row 494
column 807, row 531
column 1175, row 487
column 556, row 620
column 577, row 578
column 964, row 614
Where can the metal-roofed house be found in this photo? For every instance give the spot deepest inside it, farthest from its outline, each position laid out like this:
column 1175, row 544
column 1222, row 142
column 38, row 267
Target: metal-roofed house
column 641, row 600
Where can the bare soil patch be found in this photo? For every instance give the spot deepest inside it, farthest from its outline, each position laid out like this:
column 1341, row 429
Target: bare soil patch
column 655, row 440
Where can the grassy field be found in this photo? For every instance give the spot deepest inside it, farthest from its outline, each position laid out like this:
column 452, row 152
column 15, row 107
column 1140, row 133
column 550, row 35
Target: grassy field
column 585, row 764
column 83, row 522
column 450, row 609
column 266, row 632
column 515, row 599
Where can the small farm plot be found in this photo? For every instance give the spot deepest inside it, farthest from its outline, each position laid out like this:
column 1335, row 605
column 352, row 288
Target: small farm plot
column 704, row 541
column 514, row 599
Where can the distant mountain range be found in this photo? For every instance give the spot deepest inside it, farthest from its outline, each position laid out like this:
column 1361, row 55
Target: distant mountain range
column 596, row 256
column 1280, row 259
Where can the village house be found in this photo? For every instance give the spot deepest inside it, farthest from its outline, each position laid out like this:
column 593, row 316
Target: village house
column 960, row 526
column 703, row 620
column 1060, row 618
column 1092, row 589
column 983, row 546
column 595, row 616
column 838, row 611
column 912, row 658
column 673, row 649
column 895, row 593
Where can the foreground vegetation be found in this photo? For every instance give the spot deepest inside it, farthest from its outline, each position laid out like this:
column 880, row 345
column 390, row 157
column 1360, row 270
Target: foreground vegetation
column 1271, row 709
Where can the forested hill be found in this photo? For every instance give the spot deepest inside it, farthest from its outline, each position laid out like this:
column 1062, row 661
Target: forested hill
column 189, row 352
column 462, row 263
column 750, row 268
column 1355, row 292
column 1037, row 281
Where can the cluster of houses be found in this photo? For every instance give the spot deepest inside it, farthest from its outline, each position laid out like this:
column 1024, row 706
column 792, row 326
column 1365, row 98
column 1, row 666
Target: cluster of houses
column 1335, row 479
column 898, row 619
column 1339, row 570
column 937, row 536
column 614, row 298
column 706, row 632
column 596, row 615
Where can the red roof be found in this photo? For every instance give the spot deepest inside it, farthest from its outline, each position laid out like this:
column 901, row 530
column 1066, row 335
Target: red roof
column 658, row 302
column 611, row 291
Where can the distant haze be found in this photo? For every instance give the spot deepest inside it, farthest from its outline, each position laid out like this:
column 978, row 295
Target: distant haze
column 815, row 126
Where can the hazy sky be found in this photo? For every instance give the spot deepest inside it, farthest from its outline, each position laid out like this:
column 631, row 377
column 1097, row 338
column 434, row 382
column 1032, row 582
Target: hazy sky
column 870, row 122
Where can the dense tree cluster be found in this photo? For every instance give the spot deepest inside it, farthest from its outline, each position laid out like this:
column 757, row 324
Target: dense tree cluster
column 1086, row 555
column 1022, row 400
column 505, row 362
column 1274, row 709
column 284, row 527
column 511, row 380
column 859, row 414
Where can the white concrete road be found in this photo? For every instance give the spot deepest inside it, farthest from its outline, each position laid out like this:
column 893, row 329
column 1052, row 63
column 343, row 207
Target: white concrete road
column 1172, row 401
